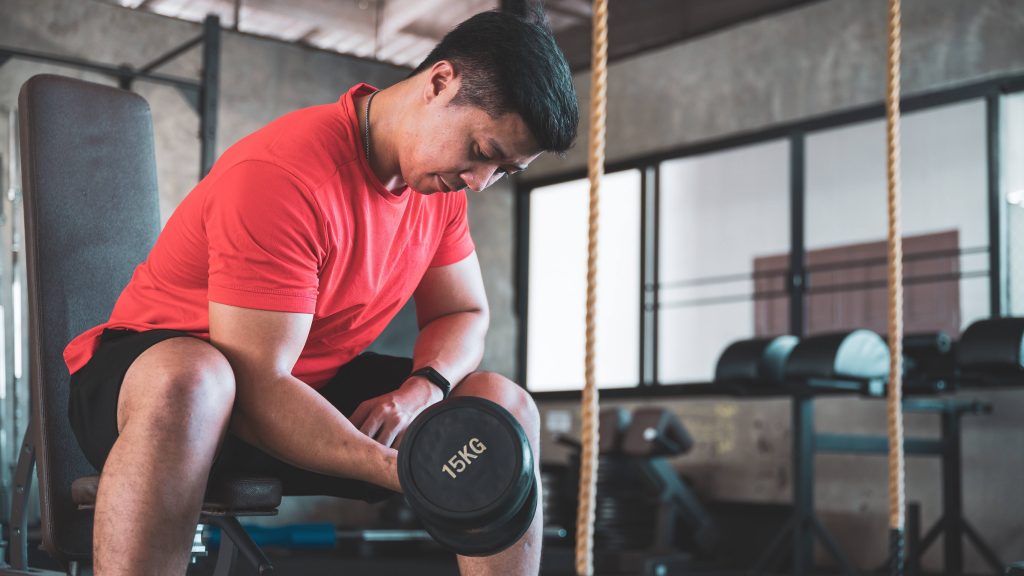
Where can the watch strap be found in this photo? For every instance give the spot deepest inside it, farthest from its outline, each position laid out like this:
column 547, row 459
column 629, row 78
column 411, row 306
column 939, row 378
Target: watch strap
column 435, row 378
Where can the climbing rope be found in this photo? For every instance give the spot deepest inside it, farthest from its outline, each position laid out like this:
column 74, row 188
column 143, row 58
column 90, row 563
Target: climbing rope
column 895, row 273
column 595, row 169
column 587, row 487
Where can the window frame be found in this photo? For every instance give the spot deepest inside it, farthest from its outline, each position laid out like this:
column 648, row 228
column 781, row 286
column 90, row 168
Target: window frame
column 991, row 91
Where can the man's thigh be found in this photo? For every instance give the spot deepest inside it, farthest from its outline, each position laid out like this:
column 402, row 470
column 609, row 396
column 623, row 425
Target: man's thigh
column 95, row 389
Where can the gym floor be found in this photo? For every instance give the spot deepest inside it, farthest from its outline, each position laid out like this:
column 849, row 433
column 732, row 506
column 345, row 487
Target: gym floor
column 334, row 564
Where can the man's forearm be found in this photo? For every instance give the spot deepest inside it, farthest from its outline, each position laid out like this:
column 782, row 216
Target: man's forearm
column 452, row 344
column 292, row 422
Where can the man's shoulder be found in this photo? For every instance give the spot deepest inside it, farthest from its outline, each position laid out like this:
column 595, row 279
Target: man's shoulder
column 310, row 144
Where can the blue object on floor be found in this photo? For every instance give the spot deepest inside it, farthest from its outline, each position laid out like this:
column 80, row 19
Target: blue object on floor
column 305, row 536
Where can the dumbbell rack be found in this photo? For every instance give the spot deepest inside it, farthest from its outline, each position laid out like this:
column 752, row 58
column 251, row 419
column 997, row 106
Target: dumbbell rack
column 803, row 526
column 947, row 447
column 634, row 451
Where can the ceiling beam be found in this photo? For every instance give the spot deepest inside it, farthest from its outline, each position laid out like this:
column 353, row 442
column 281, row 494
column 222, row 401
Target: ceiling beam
column 636, row 27
column 396, row 44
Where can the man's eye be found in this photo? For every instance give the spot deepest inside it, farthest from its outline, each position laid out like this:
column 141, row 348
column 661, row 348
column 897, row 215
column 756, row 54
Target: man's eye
column 481, row 156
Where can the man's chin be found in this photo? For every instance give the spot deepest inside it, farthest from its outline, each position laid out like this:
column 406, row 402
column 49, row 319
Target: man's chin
column 441, row 186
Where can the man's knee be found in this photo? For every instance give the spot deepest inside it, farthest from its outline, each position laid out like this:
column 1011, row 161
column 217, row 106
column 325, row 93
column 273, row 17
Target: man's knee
column 510, row 395
column 179, row 378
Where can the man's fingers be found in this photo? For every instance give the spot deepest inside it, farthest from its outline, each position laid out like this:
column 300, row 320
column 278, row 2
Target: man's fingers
column 371, row 427
column 381, row 420
column 372, row 424
column 398, row 433
column 386, row 434
column 359, row 416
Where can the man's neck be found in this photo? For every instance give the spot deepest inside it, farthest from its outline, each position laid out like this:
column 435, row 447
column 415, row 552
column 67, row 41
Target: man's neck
column 383, row 122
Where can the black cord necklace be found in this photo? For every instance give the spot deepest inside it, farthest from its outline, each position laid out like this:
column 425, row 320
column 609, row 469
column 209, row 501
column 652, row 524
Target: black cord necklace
column 366, row 125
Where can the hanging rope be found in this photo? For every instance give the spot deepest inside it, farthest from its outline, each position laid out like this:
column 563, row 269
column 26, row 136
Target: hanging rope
column 588, row 413
column 587, row 488
column 895, row 261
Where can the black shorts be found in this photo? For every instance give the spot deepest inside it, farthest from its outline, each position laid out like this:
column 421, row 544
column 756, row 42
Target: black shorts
column 92, row 409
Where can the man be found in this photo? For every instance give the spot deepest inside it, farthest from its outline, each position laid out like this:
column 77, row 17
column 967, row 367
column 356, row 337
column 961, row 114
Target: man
column 246, row 322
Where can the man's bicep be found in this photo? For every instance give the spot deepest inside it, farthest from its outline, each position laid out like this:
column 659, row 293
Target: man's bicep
column 258, row 342
column 444, row 290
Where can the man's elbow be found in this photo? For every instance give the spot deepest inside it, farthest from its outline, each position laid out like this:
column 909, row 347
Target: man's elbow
column 485, row 318
column 480, row 317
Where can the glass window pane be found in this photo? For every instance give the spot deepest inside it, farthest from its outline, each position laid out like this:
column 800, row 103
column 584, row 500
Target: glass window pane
column 722, row 216
column 558, row 284
column 944, row 213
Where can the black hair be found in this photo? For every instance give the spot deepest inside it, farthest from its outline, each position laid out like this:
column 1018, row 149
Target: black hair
column 510, row 63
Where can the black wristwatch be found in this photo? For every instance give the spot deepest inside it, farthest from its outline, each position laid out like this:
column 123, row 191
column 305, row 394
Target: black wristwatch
column 435, row 378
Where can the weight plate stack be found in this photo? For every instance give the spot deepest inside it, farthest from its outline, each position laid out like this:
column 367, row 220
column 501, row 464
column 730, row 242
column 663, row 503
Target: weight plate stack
column 556, row 512
column 625, row 511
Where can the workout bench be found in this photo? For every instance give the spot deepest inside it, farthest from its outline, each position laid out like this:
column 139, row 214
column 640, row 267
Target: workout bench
column 91, row 215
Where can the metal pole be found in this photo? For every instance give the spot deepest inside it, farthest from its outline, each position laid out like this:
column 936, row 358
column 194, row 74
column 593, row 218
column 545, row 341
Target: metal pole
column 803, row 483
column 797, row 247
column 803, row 406
column 116, row 72
column 645, row 185
column 952, row 493
column 20, row 498
column 208, row 93
column 522, row 256
column 656, row 278
column 170, row 55
column 996, row 208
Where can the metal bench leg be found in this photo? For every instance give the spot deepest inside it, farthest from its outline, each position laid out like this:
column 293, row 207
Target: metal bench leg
column 232, row 531
column 19, row 506
column 226, row 556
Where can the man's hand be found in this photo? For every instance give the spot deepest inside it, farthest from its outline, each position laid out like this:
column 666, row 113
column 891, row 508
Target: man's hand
column 385, row 418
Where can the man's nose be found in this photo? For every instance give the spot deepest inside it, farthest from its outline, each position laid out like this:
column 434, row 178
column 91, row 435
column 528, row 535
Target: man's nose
column 480, row 177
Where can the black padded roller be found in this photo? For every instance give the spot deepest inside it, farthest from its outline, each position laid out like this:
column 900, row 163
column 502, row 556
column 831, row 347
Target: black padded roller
column 760, row 361
column 927, row 343
column 995, row 345
column 856, row 355
column 927, row 356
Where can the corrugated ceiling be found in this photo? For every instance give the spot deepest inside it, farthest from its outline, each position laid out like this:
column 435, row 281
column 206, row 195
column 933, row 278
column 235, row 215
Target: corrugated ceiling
column 403, row 32
column 400, row 32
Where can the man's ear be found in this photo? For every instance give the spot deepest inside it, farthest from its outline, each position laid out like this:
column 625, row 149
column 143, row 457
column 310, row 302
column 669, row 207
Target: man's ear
column 442, row 82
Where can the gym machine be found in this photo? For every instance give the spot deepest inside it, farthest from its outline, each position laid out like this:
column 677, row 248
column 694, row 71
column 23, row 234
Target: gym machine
column 990, row 353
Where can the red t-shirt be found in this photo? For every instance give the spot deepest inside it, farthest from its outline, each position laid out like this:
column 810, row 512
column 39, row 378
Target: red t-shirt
column 291, row 218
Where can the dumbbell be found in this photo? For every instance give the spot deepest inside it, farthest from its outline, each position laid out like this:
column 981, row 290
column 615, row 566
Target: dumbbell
column 467, row 471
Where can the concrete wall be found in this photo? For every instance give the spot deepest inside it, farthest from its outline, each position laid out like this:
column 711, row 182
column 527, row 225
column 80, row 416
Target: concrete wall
column 822, row 58
column 813, row 60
